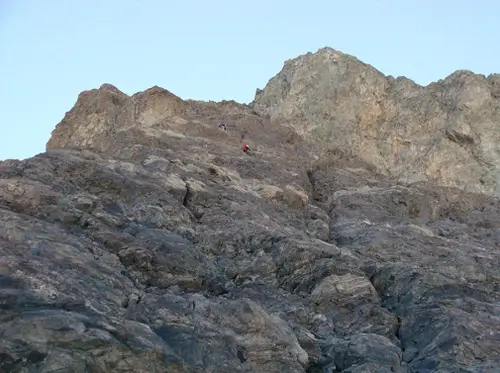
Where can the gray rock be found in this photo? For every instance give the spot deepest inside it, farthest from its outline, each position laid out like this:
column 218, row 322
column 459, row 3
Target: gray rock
column 364, row 350
column 145, row 240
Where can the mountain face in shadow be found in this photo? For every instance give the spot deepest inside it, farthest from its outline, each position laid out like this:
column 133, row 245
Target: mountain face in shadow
column 360, row 233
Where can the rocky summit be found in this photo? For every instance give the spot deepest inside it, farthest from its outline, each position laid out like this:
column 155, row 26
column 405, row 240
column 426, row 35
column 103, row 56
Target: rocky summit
column 361, row 232
column 447, row 133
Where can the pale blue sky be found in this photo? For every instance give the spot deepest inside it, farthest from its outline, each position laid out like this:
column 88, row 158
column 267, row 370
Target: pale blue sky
column 51, row 50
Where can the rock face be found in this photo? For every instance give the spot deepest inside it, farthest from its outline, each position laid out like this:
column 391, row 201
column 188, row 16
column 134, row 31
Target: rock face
column 145, row 240
column 447, row 132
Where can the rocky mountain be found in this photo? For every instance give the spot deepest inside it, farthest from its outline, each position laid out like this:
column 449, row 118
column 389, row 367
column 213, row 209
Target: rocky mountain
column 145, row 240
column 447, row 132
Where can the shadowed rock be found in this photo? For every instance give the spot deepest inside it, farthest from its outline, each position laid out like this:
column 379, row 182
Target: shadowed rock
column 145, row 240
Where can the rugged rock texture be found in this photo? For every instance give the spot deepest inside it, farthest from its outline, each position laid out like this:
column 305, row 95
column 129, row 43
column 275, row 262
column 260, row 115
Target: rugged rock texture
column 145, row 240
column 447, row 132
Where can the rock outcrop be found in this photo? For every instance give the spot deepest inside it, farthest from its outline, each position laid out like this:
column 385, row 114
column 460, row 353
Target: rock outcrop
column 145, row 240
column 447, row 132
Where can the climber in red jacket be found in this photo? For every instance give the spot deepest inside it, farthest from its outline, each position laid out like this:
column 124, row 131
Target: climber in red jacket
column 246, row 148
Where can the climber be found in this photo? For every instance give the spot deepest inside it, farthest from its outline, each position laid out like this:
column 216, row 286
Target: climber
column 246, row 148
column 223, row 126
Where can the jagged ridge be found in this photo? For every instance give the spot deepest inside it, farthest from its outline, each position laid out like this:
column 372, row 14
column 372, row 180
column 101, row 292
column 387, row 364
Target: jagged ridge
column 145, row 240
column 400, row 127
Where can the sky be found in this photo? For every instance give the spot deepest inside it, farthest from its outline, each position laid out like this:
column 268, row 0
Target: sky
column 52, row 50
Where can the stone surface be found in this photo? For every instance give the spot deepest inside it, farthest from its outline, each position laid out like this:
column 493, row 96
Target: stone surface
column 447, row 132
column 145, row 240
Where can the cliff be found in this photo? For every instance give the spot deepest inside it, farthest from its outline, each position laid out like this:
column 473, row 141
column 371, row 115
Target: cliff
column 447, row 133
column 145, row 240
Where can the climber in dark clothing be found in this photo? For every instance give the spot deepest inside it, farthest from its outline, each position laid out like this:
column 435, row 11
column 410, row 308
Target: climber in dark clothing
column 223, row 126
